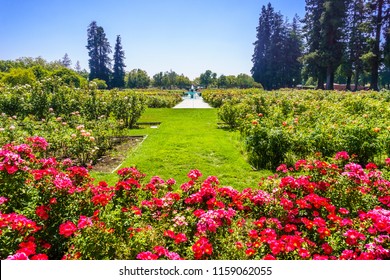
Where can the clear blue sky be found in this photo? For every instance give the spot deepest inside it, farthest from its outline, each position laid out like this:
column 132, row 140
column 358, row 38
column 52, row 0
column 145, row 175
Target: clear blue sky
column 188, row 37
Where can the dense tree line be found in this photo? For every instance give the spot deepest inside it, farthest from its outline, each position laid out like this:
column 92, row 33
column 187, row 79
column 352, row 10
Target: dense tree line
column 29, row 70
column 336, row 41
column 138, row 78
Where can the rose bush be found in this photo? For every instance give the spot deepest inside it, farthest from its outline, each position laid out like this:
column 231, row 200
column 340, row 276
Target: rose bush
column 285, row 125
column 313, row 209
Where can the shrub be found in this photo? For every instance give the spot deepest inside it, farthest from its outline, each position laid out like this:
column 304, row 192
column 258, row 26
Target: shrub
column 128, row 106
column 286, row 125
column 18, row 76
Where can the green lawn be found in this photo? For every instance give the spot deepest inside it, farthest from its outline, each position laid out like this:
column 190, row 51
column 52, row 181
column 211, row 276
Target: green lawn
column 189, row 139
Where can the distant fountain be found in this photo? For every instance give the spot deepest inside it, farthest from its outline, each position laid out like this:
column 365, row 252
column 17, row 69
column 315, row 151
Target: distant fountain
column 192, row 92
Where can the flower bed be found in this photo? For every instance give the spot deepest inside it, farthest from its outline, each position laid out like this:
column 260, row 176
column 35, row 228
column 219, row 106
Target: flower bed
column 312, row 210
column 286, row 125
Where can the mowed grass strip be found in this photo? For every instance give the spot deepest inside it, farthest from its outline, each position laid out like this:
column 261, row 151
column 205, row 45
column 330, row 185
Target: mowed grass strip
column 189, row 139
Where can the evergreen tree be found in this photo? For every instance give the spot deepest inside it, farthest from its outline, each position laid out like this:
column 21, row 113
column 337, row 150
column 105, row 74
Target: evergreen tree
column 118, row 79
column 277, row 49
column 292, row 51
column 66, row 62
column 314, row 65
column 379, row 16
column 356, row 43
column 276, row 62
column 332, row 21
column 77, row 67
column 385, row 73
column 324, row 22
column 93, row 53
column 98, row 51
column 260, row 70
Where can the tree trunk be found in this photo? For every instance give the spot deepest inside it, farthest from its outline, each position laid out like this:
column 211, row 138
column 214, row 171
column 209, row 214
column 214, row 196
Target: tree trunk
column 376, row 60
column 329, row 78
column 321, row 79
column 357, row 74
column 349, row 80
column 374, row 75
column 320, row 83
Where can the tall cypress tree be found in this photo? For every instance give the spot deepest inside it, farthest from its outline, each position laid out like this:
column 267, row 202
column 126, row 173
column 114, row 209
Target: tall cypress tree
column 378, row 12
column 104, row 59
column 118, row 79
column 92, row 47
column 98, row 50
column 292, row 51
column 277, row 49
column 313, row 62
column 332, row 21
column 276, row 73
column 65, row 61
column 324, row 21
column 385, row 73
column 356, row 43
column 260, row 57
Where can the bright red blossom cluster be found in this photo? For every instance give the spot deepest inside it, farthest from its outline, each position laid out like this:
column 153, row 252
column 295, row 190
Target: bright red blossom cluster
column 202, row 248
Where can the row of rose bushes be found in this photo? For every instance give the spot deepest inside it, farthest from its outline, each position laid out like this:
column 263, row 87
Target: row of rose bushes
column 74, row 137
column 217, row 97
column 286, row 125
column 36, row 99
column 314, row 209
column 81, row 140
column 79, row 123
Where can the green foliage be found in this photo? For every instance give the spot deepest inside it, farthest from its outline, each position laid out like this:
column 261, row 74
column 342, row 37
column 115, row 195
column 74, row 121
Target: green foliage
column 100, row 84
column 163, row 100
column 266, row 147
column 128, row 107
column 69, row 77
column 170, row 80
column 28, row 71
column 216, row 98
column 283, row 126
column 79, row 123
column 208, row 78
column 18, row 76
column 138, row 78
column 230, row 113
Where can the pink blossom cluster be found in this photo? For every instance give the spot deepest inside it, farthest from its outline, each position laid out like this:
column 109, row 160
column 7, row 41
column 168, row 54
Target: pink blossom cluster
column 212, row 219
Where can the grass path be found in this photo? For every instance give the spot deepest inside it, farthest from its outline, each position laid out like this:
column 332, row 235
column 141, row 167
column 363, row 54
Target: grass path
column 189, row 139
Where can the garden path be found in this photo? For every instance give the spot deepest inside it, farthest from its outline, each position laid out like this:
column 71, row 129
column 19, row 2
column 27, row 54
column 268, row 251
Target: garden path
column 192, row 103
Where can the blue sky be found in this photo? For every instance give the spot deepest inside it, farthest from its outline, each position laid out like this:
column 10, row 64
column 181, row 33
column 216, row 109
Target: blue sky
column 188, row 37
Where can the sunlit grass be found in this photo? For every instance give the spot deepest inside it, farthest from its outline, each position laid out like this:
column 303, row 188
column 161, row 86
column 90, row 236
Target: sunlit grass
column 189, row 139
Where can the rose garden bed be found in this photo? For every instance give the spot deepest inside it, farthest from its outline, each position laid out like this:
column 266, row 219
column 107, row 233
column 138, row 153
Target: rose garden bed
column 312, row 210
